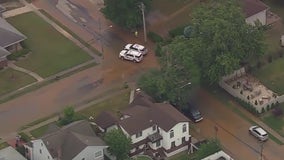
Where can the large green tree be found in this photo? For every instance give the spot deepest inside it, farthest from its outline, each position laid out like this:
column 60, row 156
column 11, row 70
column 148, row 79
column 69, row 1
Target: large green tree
column 125, row 13
column 221, row 40
column 119, row 144
column 176, row 77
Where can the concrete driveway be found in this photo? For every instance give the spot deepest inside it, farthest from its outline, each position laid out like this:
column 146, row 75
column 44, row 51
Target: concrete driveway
column 232, row 131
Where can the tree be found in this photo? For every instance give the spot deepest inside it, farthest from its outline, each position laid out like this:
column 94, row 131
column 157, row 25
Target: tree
column 178, row 70
column 125, row 13
column 68, row 116
column 221, row 40
column 119, row 144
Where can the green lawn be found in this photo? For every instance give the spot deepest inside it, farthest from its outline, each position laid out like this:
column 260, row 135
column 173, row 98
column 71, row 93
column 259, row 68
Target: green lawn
column 36, row 133
column 272, row 76
column 3, row 145
column 180, row 156
column 51, row 51
column 113, row 104
column 11, row 80
column 141, row 157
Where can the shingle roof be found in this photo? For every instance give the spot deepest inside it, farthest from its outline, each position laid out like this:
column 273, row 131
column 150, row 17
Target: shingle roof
column 149, row 113
column 71, row 140
column 106, row 119
column 252, row 7
column 9, row 35
column 3, row 52
column 9, row 153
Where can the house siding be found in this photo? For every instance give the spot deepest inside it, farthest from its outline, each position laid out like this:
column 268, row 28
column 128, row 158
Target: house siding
column 261, row 16
column 39, row 151
column 89, row 153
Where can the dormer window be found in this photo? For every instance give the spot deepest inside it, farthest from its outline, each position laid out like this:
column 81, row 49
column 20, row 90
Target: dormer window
column 138, row 134
column 154, row 127
column 184, row 128
column 172, row 134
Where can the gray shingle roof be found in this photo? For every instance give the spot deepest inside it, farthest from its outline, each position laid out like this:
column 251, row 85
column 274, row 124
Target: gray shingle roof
column 252, row 7
column 9, row 35
column 70, row 140
column 10, row 153
column 3, row 52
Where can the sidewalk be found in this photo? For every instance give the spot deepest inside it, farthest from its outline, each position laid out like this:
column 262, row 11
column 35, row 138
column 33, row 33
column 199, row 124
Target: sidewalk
column 17, row 11
column 36, row 76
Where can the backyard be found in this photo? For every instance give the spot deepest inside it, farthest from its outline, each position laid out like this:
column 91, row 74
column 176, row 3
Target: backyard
column 51, row 51
column 11, row 80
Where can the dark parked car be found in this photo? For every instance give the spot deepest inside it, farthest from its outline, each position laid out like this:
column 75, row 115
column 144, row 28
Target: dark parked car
column 192, row 112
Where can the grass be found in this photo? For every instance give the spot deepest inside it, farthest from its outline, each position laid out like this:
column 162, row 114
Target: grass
column 168, row 7
column 180, row 156
column 3, row 145
column 36, row 133
column 72, row 33
column 11, row 80
column 141, row 157
column 272, row 75
column 113, row 104
column 51, row 51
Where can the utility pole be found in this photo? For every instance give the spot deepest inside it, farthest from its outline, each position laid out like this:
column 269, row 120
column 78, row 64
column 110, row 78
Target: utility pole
column 142, row 7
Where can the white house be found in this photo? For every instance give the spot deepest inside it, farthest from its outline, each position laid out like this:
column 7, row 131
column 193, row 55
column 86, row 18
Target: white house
column 9, row 153
column 76, row 141
column 156, row 129
column 255, row 10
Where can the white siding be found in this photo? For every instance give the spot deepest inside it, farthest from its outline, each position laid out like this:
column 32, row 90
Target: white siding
column 89, row 153
column 145, row 134
column 39, row 151
column 261, row 16
column 178, row 134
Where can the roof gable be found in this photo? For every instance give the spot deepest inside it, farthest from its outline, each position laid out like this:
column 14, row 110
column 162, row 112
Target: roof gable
column 9, row 35
column 252, row 7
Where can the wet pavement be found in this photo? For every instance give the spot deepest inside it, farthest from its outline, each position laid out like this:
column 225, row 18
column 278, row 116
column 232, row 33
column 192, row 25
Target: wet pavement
column 232, row 131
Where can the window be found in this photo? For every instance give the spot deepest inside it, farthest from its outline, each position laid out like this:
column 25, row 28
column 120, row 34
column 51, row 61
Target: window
column 40, row 151
column 183, row 139
column 171, row 134
column 41, row 144
column 47, row 157
column 138, row 134
column 183, row 128
column 83, row 158
column 158, row 143
column 98, row 154
column 154, row 127
column 173, row 144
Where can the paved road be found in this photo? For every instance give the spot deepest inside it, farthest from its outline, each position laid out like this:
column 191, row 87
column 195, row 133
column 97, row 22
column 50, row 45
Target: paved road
column 233, row 131
column 79, row 87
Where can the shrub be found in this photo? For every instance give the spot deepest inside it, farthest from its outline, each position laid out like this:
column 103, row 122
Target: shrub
column 277, row 111
column 259, row 64
column 248, row 97
column 18, row 54
column 255, row 102
column 158, row 50
column 262, row 110
column 24, row 137
column 241, row 92
column 268, row 107
column 280, row 53
column 178, row 31
column 155, row 37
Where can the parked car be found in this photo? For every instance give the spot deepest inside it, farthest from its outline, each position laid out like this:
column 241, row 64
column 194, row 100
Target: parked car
column 192, row 112
column 259, row 133
column 137, row 47
column 131, row 55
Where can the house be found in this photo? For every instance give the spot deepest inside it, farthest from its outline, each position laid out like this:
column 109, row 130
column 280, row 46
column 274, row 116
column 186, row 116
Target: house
column 9, row 153
column 155, row 129
column 255, row 10
column 218, row 155
column 9, row 41
column 76, row 141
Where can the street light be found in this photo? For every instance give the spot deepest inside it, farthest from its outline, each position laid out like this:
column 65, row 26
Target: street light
column 142, row 7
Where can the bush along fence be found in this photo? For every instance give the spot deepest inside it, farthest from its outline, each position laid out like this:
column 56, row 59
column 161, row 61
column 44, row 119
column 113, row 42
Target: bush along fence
column 247, row 94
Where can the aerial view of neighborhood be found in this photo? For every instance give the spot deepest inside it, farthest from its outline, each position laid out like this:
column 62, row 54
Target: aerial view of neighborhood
column 141, row 79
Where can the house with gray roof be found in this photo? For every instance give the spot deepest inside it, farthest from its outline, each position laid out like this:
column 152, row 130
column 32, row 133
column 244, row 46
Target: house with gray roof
column 76, row 141
column 9, row 153
column 9, row 41
column 156, row 129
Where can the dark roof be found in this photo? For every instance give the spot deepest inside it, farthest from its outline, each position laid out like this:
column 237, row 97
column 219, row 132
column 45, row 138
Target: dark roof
column 144, row 114
column 106, row 119
column 252, row 7
column 2, row 9
column 9, row 35
column 70, row 140
column 3, row 52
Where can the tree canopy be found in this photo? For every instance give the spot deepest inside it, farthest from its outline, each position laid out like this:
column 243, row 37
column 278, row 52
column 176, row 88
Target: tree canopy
column 221, row 39
column 125, row 13
column 119, row 144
